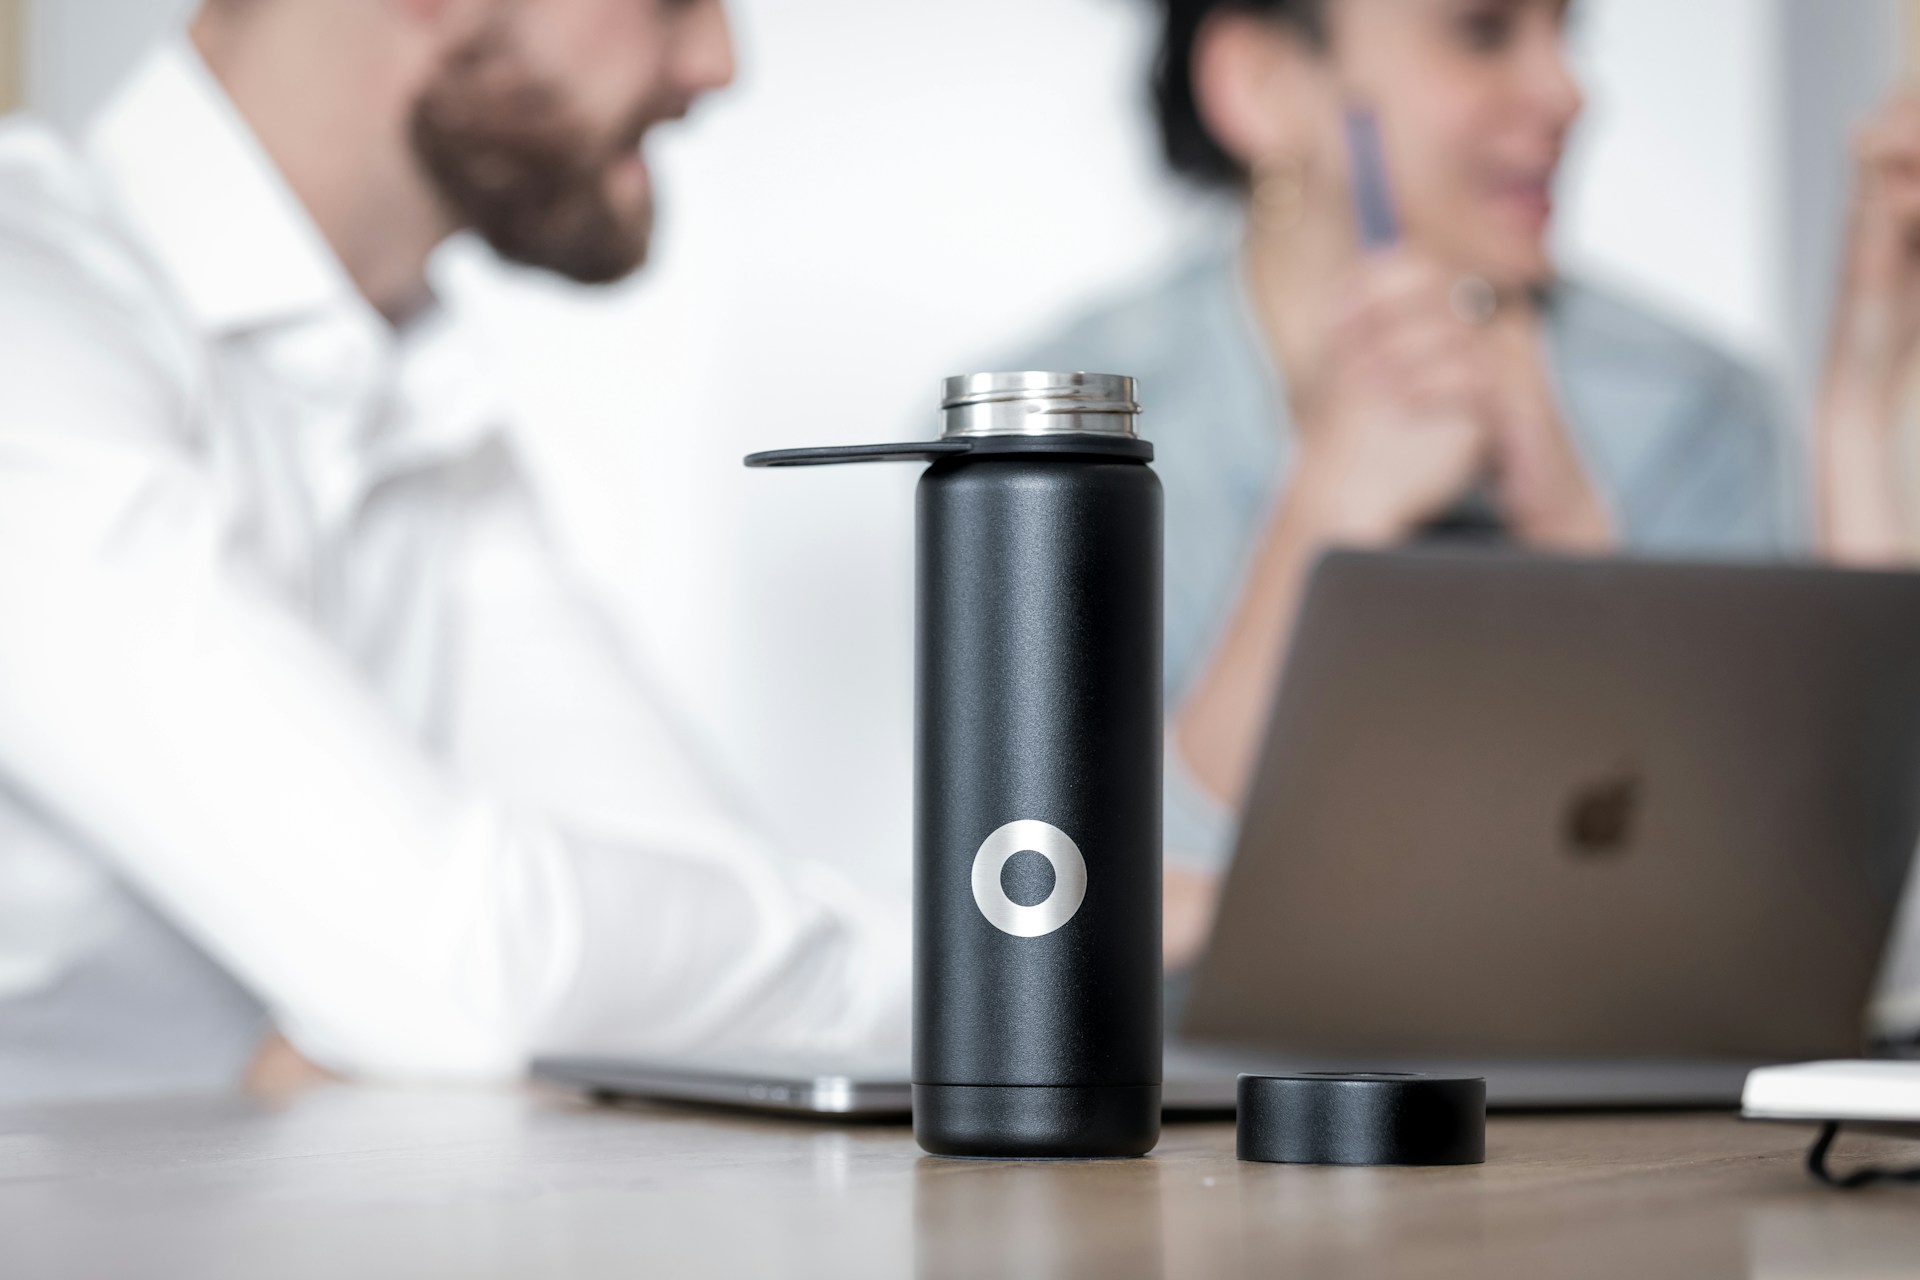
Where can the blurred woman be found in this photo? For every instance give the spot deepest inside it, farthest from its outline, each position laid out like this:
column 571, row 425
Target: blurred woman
column 1306, row 389
column 1867, row 472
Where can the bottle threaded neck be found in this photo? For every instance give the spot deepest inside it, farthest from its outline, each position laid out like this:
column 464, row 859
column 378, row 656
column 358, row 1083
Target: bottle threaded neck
column 1040, row 404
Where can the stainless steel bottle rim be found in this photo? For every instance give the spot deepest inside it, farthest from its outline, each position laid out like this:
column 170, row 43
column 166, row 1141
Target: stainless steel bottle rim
column 1040, row 404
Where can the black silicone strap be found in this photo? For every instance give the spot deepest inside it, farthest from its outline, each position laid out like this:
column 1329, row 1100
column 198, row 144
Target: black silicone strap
column 924, row 451
column 1066, row 444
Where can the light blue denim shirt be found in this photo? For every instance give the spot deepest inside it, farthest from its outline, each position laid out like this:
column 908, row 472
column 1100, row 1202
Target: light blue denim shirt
column 1683, row 442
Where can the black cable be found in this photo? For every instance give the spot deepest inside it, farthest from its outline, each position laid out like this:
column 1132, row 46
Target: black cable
column 1817, row 1166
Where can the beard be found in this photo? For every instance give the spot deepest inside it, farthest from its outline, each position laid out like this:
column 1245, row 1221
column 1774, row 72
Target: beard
column 512, row 163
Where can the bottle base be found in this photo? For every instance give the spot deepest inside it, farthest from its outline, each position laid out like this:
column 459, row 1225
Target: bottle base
column 1036, row 1122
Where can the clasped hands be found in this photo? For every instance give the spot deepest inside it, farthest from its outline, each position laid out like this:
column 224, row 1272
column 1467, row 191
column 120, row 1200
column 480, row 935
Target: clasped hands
column 1418, row 400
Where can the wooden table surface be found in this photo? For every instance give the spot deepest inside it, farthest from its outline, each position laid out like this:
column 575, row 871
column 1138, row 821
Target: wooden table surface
column 348, row 1184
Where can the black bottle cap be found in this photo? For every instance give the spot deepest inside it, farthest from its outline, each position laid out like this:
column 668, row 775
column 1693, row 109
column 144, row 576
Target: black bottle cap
column 1363, row 1119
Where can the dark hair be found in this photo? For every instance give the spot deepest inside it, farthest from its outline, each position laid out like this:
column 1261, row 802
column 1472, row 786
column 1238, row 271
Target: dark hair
column 1190, row 147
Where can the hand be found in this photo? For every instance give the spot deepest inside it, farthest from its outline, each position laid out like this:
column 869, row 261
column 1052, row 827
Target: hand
column 1864, row 516
column 1877, row 315
column 1402, row 421
column 279, row 1072
column 1544, row 488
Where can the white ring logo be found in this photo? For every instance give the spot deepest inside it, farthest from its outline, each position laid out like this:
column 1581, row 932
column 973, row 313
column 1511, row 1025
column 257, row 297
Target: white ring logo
column 1069, row 879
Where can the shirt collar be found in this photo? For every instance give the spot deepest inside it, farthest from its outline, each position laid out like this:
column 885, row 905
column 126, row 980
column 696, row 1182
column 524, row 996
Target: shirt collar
column 208, row 203
column 213, row 213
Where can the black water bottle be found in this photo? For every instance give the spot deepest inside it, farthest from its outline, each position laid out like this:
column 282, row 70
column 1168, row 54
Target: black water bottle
column 1037, row 809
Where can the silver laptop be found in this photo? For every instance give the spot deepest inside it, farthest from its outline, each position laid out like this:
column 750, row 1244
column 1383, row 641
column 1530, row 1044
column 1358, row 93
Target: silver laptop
column 1609, row 833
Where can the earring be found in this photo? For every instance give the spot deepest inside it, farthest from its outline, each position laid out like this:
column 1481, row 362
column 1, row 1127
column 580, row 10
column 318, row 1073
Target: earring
column 1280, row 192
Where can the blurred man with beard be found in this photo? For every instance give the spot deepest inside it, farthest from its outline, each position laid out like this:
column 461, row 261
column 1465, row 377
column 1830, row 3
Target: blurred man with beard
column 303, row 729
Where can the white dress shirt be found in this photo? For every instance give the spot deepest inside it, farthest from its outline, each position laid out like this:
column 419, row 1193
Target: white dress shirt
column 291, row 679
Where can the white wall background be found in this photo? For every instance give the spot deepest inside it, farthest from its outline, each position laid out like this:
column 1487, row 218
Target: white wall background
column 1843, row 56
column 900, row 189
column 1672, row 191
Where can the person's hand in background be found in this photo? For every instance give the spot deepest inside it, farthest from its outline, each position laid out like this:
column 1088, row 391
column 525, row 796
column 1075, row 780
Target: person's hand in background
column 1400, row 421
column 1546, row 496
column 279, row 1071
column 1876, row 323
column 1396, row 417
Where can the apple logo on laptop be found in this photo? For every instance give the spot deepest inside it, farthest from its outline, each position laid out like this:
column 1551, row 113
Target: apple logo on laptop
column 1601, row 818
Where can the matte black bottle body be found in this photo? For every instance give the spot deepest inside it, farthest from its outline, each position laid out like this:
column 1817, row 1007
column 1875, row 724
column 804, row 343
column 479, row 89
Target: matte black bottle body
column 1039, row 717
column 1036, row 1005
